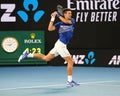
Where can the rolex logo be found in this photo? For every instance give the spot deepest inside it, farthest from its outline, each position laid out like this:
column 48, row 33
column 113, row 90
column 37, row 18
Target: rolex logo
column 32, row 39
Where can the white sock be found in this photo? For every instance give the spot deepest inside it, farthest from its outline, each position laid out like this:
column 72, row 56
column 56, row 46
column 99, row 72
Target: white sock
column 69, row 78
column 30, row 55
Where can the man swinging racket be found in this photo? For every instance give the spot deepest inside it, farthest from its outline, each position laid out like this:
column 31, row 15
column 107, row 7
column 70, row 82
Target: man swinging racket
column 65, row 28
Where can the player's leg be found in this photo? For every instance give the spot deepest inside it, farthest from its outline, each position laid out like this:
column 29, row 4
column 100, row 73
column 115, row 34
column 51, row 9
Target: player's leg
column 53, row 53
column 64, row 53
column 43, row 57
column 70, row 63
column 69, row 67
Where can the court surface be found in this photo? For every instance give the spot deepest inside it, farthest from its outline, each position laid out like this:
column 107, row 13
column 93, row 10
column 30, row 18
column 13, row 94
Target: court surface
column 51, row 81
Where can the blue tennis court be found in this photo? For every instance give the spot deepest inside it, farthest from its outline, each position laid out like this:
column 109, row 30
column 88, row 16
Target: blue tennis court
column 51, row 81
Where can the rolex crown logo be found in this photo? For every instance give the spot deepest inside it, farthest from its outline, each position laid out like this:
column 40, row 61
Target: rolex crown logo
column 32, row 35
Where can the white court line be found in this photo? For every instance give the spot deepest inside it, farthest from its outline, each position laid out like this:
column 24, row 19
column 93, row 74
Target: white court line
column 32, row 87
column 98, row 82
column 58, row 85
column 102, row 83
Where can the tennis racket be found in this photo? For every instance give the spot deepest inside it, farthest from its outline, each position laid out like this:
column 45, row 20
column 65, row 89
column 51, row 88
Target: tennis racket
column 60, row 9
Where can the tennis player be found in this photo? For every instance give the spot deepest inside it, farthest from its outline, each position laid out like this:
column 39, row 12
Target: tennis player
column 65, row 28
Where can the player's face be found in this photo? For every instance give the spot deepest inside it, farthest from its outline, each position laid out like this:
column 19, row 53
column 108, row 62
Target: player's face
column 68, row 14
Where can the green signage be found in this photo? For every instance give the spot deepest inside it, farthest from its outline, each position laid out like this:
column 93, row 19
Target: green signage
column 13, row 43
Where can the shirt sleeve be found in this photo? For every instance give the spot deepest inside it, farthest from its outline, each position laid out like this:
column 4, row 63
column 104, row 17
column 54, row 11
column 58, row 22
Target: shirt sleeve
column 73, row 21
column 57, row 25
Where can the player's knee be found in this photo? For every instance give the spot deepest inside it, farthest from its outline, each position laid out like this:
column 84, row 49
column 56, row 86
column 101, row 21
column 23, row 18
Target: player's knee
column 70, row 61
column 46, row 59
column 70, row 64
column 73, row 61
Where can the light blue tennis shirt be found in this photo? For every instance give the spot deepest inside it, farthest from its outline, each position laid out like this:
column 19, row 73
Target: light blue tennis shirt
column 65, row 31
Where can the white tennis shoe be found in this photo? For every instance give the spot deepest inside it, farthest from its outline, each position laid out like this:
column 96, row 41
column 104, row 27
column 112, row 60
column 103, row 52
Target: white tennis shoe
column 23, row 56
column 72, row 83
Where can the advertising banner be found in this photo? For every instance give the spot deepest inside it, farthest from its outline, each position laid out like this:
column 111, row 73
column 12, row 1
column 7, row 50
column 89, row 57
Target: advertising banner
column 83, row 57
column 13, row 43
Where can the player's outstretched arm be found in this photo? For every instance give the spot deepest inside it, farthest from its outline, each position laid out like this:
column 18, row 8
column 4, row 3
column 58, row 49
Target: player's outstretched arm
column 51, row 27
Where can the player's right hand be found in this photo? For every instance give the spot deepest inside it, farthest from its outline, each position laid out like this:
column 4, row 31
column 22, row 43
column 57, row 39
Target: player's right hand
column 54, row 14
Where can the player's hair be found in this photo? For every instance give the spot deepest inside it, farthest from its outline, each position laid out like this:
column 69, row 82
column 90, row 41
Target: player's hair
column 65, row 10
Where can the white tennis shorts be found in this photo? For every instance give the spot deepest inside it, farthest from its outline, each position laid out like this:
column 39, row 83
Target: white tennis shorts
column 60, row 49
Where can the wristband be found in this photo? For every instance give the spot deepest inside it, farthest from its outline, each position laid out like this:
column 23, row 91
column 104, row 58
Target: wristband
column 52, row 19
column 58, row 15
